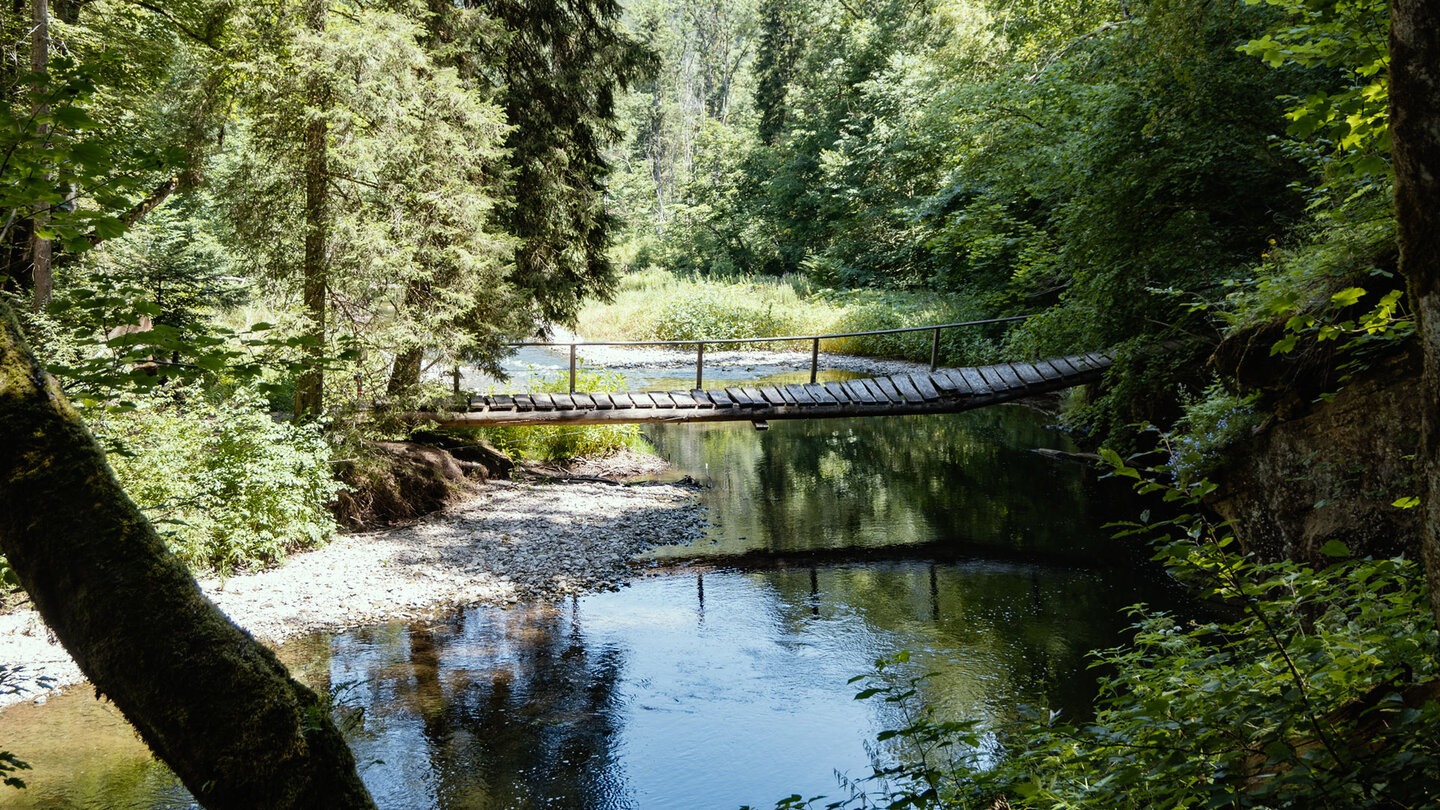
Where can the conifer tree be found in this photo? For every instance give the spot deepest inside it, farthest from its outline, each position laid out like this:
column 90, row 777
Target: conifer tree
column 557, row 68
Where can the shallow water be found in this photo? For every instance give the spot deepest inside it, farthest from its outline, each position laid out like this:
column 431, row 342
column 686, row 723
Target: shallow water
column 723, row 682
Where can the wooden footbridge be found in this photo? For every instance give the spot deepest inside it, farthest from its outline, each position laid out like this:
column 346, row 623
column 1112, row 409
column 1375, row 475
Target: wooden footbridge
column 949, row 390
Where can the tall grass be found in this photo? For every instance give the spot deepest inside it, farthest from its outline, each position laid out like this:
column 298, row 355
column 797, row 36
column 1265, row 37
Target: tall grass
column 657, row 305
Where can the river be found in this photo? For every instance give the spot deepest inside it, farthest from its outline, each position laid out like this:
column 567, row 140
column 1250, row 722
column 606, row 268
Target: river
column 720, row 677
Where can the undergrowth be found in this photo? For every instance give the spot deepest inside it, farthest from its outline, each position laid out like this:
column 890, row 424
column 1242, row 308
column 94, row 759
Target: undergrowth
column 227, row 486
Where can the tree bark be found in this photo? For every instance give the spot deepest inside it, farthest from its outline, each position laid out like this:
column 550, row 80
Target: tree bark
column 1415, row 138
column 310, row 394
column 405, row 373
column 215, row 705
column 40, row 248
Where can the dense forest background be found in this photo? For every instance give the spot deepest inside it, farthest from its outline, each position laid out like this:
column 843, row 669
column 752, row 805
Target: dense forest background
column 394, row 188
column 1124, row 171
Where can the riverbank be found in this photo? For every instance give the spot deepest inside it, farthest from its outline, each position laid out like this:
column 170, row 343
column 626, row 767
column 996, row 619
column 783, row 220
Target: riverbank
column 513, row 542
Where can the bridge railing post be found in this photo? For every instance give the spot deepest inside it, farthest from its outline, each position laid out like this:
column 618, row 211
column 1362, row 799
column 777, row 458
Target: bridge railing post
column 814, row 359
column 699, row 365
column 572, row 368
column 935, row 350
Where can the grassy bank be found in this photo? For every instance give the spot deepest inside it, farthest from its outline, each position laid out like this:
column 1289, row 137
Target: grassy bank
column 657, row 305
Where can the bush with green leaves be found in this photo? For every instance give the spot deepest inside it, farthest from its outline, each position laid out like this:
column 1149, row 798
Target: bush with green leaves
column 1319, row 689
column 228, row 486
column 567, row 442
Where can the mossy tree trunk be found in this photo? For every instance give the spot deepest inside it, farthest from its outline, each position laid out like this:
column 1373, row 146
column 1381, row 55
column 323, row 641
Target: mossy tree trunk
column 1415, row 138
column 216, row 706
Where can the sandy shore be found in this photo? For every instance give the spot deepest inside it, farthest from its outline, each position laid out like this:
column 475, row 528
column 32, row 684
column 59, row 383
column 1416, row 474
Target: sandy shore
column 513, row 542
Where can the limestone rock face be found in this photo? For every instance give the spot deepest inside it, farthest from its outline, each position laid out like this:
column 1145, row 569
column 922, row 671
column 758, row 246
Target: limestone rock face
column 1331, row 470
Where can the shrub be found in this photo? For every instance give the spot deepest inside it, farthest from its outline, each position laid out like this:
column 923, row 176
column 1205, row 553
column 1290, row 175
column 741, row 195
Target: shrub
column 229, row 487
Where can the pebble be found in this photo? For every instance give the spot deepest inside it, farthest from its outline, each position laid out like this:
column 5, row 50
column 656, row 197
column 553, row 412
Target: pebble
column 511, row 543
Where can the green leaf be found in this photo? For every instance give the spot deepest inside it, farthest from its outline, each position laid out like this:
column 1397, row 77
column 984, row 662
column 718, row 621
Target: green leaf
column 1407, row 502
column 1334, row 548
column 1284, row 345
column 1348, row 296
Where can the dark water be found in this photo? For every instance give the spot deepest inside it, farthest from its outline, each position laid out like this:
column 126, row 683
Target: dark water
column 722, row 682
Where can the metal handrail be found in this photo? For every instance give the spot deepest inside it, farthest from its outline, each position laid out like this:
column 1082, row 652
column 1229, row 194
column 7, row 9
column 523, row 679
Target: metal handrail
column 699, row 345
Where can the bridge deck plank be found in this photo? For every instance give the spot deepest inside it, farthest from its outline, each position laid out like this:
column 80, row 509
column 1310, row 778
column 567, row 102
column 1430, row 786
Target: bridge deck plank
column 924, row 386
column 1028, row 374
column 1008, row 377
column 1079, row 362
column 583, row 402
column 787, row 395
column 1047, row 371
column 943, row 382
column 978, row 386
column 681, row 399
column 874, row 391
column 740, row 398
column 602, row 400
column 906, row 389
column 837, row 390
column 802, row 397
column 757, row 398
column 993, row 380
column 720, row 398
column 858, row 392
column 887, row 387
column 641, row 399
column 702, row 398
column 524, row 402
column 501, row 402
column 621, row 400
column 772, row 395
column 563, row 402
column 660, row 399
column 1098, row 359
column 1066, row 370
column 542, row 401
column 962, row 385
column 819, row 394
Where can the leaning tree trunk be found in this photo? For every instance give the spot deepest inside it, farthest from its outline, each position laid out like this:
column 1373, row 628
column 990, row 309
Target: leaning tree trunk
column 1415, row 136
column 215, row 705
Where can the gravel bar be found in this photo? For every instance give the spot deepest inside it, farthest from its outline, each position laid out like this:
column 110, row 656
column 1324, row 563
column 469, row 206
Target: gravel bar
column 513, row 542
